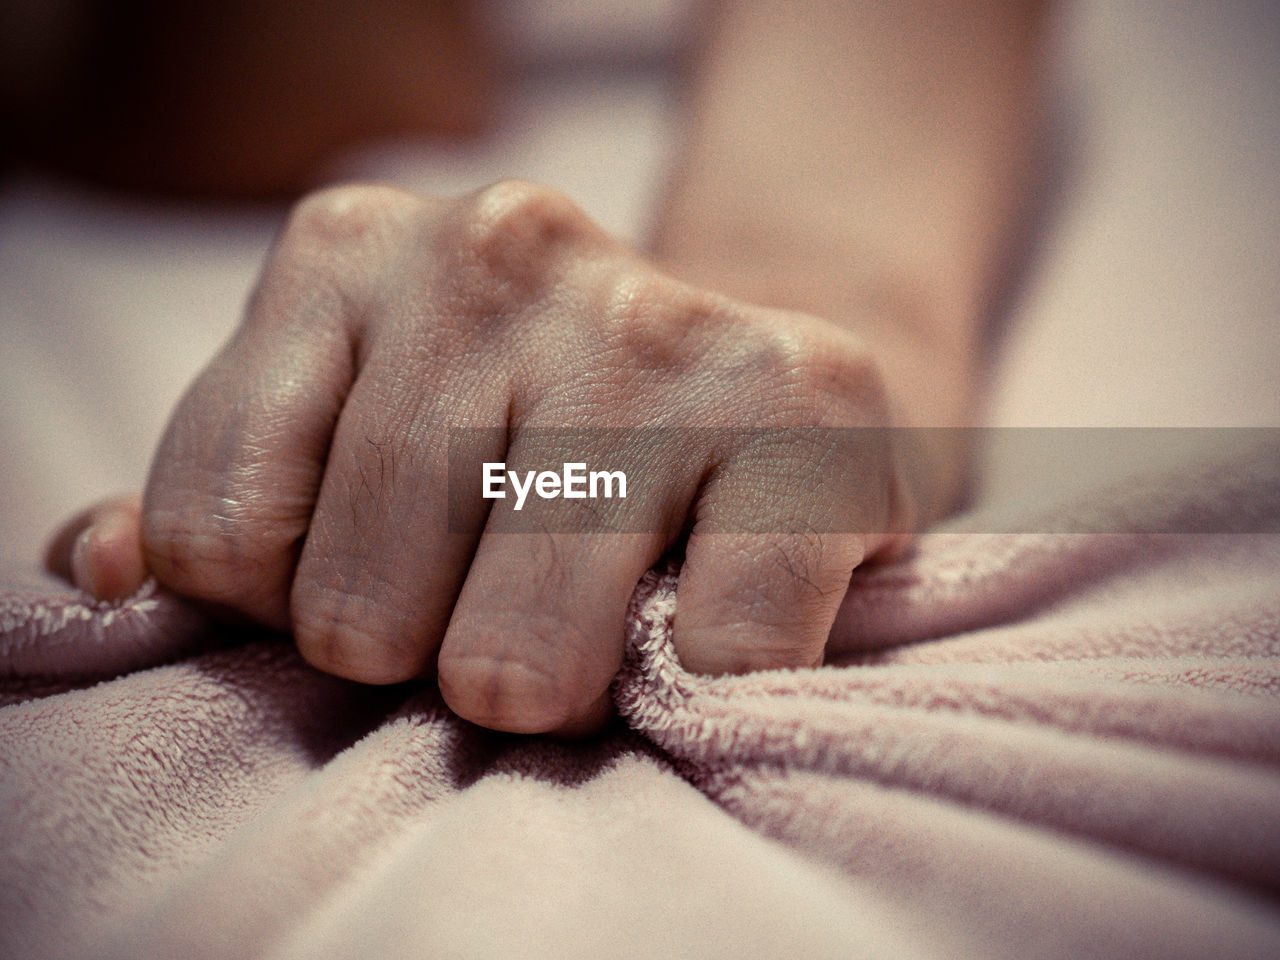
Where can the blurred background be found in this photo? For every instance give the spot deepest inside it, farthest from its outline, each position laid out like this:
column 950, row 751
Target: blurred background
column 245, row 99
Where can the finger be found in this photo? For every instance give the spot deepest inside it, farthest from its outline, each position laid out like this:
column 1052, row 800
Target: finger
column 387, row 551
column 537, row 634
column 536, row 637
column 234, row 479
column 100, row 549
column 231, row 488
column 750, row 602
column 768, row 562
column 379, row 572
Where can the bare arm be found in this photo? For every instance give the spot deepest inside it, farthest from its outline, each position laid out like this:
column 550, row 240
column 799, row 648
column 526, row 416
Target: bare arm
column 865, row 163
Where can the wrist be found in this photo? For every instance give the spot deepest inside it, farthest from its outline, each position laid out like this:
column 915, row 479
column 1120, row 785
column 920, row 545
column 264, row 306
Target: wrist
column 926, row 353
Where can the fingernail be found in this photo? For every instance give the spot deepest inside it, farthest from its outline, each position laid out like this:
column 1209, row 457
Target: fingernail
column 115, row 560
column 82, row 572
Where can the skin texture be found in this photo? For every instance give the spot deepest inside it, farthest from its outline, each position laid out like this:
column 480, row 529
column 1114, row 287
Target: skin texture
column 302, row 481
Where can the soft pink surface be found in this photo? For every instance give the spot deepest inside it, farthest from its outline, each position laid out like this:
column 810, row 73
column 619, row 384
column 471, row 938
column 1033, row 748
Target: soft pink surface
column 1026, row 745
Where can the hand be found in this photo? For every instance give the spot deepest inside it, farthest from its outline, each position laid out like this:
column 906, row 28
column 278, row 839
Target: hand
column 303, row 480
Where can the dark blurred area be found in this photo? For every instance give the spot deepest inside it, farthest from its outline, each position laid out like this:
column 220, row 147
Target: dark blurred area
column 232, row 99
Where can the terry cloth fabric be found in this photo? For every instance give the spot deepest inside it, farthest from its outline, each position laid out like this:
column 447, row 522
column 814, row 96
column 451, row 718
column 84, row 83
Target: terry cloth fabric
column 1023, row 745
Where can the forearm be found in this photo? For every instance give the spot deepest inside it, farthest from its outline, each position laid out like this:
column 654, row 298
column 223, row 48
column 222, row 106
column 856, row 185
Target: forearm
column 865, row 163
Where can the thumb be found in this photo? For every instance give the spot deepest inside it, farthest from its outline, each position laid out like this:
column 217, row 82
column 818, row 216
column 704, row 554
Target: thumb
column 100, row 549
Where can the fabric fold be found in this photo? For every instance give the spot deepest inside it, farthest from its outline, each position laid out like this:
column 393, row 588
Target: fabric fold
column 1022, row 745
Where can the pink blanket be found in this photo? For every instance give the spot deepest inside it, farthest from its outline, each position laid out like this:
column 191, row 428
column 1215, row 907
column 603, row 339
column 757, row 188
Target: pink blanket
column 1023, row 745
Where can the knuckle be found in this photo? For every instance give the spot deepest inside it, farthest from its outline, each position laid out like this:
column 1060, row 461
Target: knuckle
column 514, row 228
column 655, row 322
column 339, row 216
column 817, row 374
column 332, row 259
column 341, row 239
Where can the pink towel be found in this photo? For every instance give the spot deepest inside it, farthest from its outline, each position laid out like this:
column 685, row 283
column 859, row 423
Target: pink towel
column 1023, row 745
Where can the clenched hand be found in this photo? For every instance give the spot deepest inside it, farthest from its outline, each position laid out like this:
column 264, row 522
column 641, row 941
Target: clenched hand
column 303, row 480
